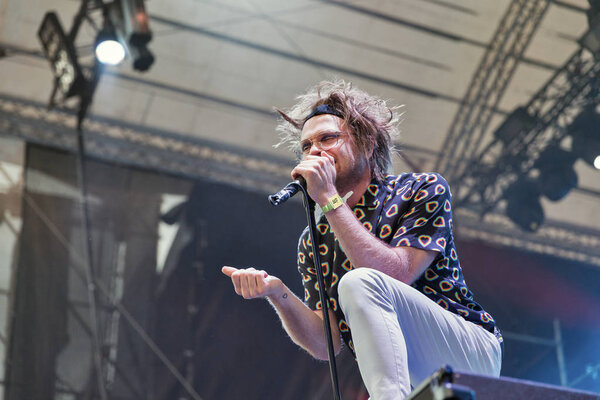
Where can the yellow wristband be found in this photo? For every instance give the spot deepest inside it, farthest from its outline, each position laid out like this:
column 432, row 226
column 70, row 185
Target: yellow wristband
column 334, row 202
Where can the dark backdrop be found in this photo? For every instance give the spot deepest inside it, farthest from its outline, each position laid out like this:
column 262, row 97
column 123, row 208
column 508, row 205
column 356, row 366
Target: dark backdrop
column 228, row 347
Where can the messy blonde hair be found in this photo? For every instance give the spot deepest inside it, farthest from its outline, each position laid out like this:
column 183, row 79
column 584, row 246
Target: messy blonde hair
column 373, row 124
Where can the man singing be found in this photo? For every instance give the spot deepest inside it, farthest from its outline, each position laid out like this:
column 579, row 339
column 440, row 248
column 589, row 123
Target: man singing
column 397, row 294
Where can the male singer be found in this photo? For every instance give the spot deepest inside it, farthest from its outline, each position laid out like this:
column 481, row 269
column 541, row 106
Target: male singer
column 397, row 294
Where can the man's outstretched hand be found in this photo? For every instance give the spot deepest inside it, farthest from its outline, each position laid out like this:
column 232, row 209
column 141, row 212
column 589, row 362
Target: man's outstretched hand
column 251, row 283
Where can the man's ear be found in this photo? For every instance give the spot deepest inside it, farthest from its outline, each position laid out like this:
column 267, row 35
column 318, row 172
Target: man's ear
column 371, row 148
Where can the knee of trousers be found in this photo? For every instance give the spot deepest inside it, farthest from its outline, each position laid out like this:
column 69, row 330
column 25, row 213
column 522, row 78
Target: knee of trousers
column 357, row 286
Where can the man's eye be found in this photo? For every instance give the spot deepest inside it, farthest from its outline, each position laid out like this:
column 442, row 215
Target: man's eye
column 328, row 139
column 305, row 147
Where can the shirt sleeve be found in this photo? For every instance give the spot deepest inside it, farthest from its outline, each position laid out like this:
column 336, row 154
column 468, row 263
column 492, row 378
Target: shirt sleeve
column 427, row 223
column 307, row 270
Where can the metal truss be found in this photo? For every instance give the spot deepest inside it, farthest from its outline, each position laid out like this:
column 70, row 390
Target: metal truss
column 166, row 152
column 488, row 85
column 479, row 172
column 552, row 109
column 486, row 176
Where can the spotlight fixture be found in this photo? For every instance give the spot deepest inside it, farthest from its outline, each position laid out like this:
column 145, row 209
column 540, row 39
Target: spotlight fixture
column 523, row 204
column 585, row 131
column 60, row 52
column 516, row 122
column 108, row 48
column 132, row 27
column 125, row 31
column 557, row 175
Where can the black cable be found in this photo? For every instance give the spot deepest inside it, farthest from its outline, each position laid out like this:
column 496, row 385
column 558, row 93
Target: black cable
column 89, row 270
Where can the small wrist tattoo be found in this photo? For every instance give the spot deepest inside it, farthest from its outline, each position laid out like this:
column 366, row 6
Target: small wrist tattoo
column 284, row 296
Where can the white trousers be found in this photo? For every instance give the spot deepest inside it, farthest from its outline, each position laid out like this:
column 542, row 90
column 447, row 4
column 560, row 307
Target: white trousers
column 401, row 336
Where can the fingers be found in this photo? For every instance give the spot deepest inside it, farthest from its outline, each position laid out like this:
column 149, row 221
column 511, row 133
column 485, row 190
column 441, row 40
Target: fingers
column 228, row 270
column 329, row 157
column 248, row 280
column 248, row 283
column 261, row 281
column 237, row 282
column 314, row 165
column 320, row 175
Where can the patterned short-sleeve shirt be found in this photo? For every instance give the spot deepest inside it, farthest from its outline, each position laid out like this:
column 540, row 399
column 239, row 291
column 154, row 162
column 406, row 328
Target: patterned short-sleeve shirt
column 412, row 210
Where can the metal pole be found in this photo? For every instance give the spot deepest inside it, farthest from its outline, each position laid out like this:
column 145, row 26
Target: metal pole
column 309, row 206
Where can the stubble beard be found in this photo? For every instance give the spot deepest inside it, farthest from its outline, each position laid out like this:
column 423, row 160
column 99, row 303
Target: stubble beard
column 347, row 180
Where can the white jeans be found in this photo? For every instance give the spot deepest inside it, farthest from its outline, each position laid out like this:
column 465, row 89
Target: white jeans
column 401, row 336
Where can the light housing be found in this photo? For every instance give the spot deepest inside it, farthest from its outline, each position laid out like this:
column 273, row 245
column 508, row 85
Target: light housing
column 518, row 121
column 557, row 175
column 60, row 52
column 132, row 27
column 585, row 131
column 523, row 204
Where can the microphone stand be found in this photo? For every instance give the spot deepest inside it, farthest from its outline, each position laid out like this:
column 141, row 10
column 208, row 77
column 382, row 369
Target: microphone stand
column 309, row 206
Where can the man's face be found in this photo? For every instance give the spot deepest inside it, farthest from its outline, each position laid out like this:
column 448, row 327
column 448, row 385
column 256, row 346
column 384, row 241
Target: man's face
column 350, row 164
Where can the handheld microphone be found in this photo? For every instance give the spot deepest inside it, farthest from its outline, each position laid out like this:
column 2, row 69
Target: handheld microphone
column 287, row 192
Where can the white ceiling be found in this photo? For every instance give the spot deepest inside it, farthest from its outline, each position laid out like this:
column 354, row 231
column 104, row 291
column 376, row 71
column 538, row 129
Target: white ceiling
column 222, row 65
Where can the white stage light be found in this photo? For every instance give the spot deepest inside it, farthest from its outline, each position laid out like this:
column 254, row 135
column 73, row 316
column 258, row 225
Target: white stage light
column 110, row 52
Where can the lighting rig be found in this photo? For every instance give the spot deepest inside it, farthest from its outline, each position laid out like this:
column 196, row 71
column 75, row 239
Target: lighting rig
column 488, row 85
column 121, row 26
column 532, row 152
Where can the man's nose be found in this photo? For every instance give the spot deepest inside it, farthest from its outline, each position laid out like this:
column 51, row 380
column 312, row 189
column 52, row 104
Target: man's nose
column 315, row 150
